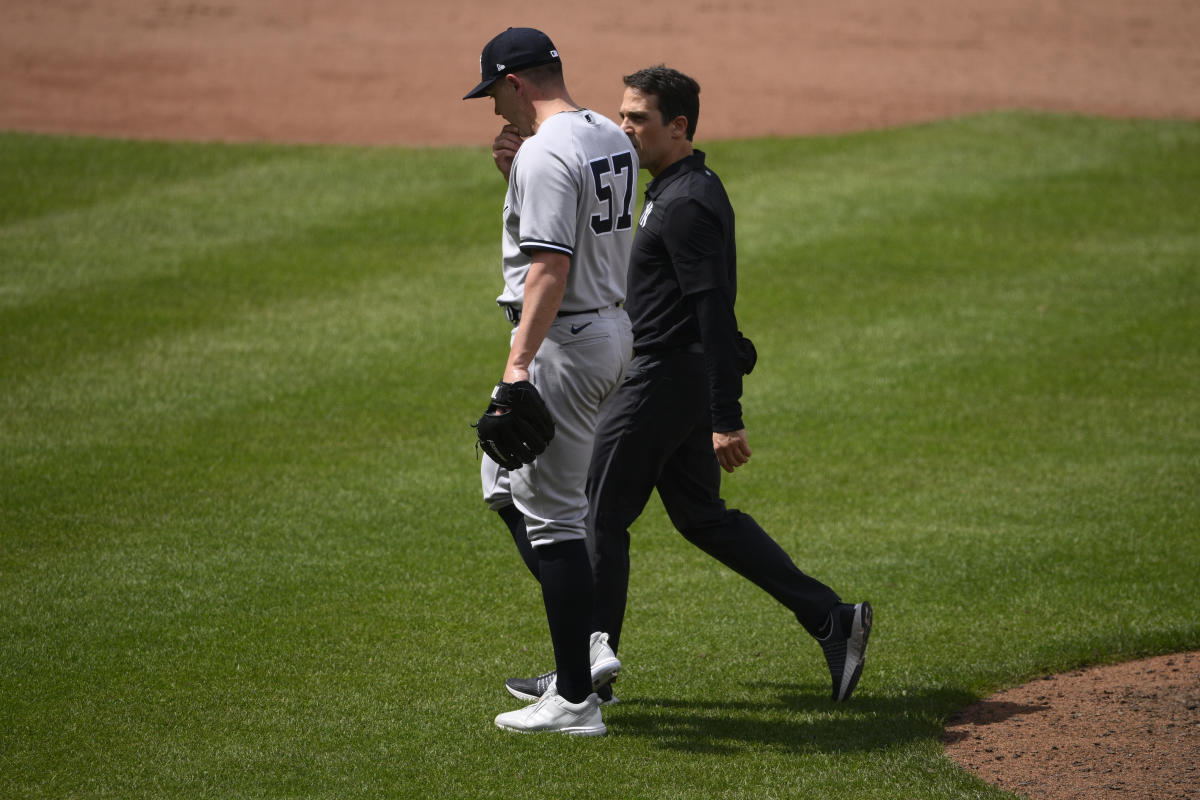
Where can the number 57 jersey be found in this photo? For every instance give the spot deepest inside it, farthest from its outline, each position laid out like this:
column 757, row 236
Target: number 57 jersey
column 571, row 190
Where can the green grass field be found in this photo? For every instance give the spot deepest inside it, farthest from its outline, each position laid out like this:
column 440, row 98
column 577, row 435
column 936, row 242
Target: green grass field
column 242, row 553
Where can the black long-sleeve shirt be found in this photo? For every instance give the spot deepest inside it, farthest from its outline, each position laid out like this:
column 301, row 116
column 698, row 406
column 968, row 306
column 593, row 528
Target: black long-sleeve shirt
column 683, row 279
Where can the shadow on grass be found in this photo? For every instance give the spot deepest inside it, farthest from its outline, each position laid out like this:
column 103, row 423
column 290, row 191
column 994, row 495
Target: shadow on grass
column 792, row 718
column 985, row 712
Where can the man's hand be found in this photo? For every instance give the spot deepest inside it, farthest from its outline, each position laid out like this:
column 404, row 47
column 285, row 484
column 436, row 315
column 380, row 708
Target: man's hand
column 505, row 147
column 732, row 449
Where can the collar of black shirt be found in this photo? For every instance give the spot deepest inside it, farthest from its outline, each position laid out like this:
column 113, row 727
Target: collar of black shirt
column 693, row 162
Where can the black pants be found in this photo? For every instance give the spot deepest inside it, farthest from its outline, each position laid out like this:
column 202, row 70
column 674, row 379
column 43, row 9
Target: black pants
column 657, row 433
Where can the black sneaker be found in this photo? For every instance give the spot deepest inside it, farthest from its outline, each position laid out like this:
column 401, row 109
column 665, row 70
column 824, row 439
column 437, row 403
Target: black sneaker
column 845, row 651
column 530, row 689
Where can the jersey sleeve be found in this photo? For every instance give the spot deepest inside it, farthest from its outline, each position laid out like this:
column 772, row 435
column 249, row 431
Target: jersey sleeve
column 549, row 191
column 695, row 241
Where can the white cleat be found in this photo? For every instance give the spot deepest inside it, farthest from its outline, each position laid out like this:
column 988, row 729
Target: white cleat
column 554, row 714
column 605, row 665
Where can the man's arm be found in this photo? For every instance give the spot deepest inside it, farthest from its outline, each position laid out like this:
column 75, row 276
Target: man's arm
column 697, row 242
column 544, row 287
column 718, row 333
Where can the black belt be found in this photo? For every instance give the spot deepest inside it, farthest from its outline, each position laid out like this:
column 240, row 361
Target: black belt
column 694, row 347
column 514, row 314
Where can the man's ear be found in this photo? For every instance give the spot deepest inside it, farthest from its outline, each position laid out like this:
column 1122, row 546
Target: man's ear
column 679, row 127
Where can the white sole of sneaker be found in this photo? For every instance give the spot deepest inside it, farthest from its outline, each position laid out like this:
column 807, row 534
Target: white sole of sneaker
column 604, row 671
column 581, row 731
column 856, row 650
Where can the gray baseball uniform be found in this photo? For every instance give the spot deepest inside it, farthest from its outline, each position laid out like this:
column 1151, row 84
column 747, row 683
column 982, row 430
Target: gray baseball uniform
column 571, row 190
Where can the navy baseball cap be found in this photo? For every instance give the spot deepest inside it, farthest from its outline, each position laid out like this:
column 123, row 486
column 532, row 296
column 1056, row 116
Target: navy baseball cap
column 512, row 51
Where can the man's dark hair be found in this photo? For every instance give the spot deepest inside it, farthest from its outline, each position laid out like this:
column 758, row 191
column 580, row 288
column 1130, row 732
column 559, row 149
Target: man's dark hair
column 678, row 95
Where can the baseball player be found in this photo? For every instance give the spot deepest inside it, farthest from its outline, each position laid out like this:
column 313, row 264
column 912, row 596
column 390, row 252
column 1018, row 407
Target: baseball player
column 568, row 225
column 676, row 420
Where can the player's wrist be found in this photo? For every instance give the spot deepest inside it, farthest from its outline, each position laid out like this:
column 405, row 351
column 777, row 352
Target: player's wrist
column 515, row 374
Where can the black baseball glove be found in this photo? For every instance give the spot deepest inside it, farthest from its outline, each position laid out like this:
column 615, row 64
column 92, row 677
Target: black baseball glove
column 516, row 427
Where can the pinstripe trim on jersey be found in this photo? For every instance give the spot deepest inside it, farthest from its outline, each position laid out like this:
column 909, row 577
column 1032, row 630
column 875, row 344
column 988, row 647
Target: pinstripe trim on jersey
column 538, row 244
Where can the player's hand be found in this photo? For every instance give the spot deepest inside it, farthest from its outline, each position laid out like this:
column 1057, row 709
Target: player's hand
column 505, row 147
column 732, row 449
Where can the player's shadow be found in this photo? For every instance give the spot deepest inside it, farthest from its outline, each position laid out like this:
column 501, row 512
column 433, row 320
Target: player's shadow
column 794, row 718
column 985, row 712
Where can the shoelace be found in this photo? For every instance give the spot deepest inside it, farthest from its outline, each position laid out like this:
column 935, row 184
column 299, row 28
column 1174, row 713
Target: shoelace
column 544, row 681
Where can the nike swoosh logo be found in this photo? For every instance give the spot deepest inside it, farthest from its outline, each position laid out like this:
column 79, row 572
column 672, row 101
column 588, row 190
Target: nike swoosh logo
column 577, row 328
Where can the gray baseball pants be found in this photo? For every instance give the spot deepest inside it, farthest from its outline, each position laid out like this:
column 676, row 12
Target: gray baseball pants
column 576, row 371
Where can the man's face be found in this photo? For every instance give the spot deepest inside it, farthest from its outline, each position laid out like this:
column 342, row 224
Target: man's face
column 510, row 105
column 643, row 124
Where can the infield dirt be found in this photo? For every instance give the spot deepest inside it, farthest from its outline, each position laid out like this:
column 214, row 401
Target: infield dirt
column 374, row 72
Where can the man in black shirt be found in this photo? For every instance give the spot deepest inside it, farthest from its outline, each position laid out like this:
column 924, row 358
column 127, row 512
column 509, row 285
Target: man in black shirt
column 676, row 420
